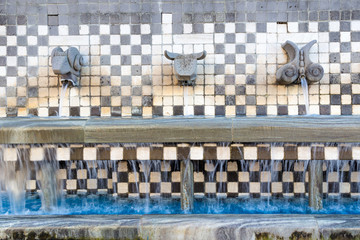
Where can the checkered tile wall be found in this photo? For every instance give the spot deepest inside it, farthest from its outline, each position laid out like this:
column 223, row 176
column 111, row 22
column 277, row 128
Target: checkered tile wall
column 127, row 74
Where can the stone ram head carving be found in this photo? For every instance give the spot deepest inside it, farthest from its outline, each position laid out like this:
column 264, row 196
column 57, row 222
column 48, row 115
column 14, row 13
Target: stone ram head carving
column 67, row 64
column 299, row 66
column 185, row 65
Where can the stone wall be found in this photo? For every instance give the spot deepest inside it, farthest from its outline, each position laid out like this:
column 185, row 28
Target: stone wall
column 127, row 75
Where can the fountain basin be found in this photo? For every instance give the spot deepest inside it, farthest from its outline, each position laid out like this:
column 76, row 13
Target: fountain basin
column 181, row 227
column 136, row 130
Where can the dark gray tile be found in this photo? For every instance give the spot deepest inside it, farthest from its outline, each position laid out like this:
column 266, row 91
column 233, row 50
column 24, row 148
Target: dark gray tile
column 240, row 110
column 250, row 38
column 345, row 15
column 125, row 60
column 250, row 100
column 32, row 50
column 261, row 110
column 126, row 81
column 335, row 99
column 21, row 20
column 240, row 68
column 219, row 28
column 136, row 91
column 334, row 58
column 219, row 90
column 324, row 109
column 115, row 50
column 230, row 100
column 313, row 16
column 146, row 59
column 11, row 30
column 345, row 68
column 198, row 28
column 11, row 51
column 125, row 39
column 230, row 59
column 334, row 15
column 355, row 57
column 345, row 47
column 105, row 60
column 11, row 71
column 136, row 70
column 53, row 20
column 303, row 27
column 33, row 92
column 323, row 27
column 114, row 30
column 346, row 89
column 261, row 27
column 147, row 101
column 323, row 15
column 105, row 39
column 126, row 101
column 346, row 110
column 251, row 80
column 115, row 70
column 115, row 91
column 344, row 26
column 355, row 36
column 355, row 15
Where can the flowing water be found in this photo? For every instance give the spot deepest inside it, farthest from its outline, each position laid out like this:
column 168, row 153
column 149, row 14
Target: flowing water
column 62, row 96
column 186, row 100
column 147, row 176
column 305, row 89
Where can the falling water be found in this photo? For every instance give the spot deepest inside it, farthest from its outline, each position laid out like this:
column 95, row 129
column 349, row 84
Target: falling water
column 305, row 89
column 186, row 100
column 62, row 96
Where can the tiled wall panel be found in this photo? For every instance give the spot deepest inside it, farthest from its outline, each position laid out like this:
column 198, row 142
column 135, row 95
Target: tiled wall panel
column 127, row 74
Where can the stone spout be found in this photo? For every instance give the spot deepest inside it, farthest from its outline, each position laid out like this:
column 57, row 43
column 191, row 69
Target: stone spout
column 67, row 64
column 299, row 66
column 185, row 66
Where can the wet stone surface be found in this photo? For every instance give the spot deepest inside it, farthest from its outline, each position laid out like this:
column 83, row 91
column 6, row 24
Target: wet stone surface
column 181, row 227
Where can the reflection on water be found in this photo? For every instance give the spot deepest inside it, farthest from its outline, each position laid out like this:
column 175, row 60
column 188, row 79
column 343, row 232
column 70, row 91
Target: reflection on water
column 105, row 204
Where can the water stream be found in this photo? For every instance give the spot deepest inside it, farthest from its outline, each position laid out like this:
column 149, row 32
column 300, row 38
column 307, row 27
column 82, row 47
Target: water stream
column 64, row 87
column 305, row 89
column 186, row 100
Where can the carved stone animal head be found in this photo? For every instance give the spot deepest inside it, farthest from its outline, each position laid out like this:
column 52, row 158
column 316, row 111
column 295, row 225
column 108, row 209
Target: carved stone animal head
column 67, row 64
column 185, row 65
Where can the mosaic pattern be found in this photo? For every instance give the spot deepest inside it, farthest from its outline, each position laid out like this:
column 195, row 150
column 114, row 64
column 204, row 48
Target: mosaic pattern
column 222, row 170
column 127, row 74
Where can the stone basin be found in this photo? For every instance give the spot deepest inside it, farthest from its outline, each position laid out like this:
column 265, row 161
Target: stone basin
column 181, row 227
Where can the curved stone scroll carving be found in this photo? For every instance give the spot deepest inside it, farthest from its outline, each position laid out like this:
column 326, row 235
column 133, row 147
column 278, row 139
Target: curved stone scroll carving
column 299, row 66
column 67, row 64
column 185, row 65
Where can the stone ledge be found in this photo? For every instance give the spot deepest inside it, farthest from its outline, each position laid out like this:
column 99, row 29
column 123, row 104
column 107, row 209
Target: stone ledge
column 181, row 227
column 136, row 130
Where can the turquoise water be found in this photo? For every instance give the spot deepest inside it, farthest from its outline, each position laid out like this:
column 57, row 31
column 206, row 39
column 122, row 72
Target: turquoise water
column 113, row 205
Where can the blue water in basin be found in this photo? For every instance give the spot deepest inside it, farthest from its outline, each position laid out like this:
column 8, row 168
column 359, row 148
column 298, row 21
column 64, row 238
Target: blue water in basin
column 103, row 204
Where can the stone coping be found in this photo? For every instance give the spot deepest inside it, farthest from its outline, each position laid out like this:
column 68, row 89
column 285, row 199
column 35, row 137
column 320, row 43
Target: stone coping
column 181, row 227
column 142, row 130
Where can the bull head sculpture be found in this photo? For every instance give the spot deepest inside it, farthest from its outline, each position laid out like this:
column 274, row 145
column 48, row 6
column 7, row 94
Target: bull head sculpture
column 185, row 65
column 67, row 64
column 299, row 66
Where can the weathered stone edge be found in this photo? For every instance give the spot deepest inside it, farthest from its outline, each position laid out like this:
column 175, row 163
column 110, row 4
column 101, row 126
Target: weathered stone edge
column 120, row 130
column 181, row 227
